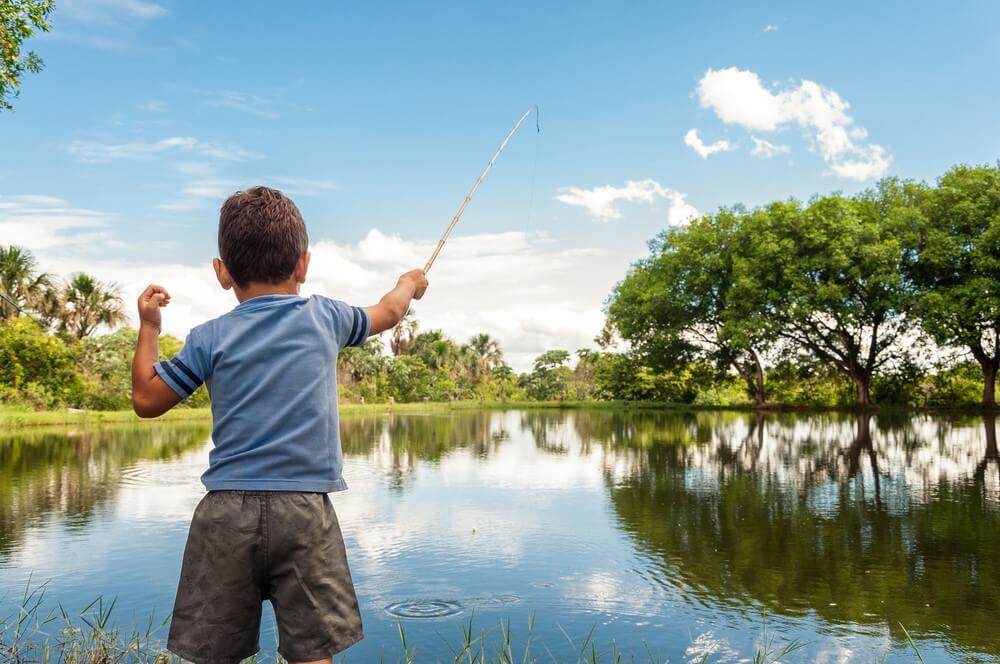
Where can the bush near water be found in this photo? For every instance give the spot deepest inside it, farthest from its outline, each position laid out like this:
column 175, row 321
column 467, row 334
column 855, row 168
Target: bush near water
column 888, row 296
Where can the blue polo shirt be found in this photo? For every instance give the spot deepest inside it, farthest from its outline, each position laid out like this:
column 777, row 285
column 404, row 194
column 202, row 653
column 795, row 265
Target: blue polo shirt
column 270, row 366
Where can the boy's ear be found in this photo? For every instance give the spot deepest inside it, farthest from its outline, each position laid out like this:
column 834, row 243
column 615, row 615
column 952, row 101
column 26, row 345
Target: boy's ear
column 222, row 274
column 301, row 268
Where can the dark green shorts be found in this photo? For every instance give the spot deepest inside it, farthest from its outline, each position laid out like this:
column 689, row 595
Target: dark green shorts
column 248, row 546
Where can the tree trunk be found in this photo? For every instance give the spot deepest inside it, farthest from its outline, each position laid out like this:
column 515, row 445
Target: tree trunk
column 863, row 383
column 989, row 384
column 992, row 453
column 759, row 396
column 754, row 379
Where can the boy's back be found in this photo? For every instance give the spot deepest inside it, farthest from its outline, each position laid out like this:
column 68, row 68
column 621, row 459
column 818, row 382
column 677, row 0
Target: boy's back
column 270, row 366
column 266, row 530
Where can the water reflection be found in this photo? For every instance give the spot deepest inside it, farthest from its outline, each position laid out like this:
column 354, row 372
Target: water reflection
column 857, row 521
column 664, row 527
column 69, row 473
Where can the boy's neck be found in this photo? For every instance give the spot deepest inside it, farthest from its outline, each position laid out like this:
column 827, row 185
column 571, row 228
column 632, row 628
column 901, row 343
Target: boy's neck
column 257, row 289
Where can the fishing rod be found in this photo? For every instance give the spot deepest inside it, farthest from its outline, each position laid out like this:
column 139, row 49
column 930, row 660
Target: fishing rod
column 479, row 180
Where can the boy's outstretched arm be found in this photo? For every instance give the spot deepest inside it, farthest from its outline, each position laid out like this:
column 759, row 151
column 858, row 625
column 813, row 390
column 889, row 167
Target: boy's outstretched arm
column 394, row 304
column 151, row 397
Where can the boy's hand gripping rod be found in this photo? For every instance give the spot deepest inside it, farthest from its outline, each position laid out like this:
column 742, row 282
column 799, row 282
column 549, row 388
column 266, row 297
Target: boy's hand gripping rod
column 479, row 180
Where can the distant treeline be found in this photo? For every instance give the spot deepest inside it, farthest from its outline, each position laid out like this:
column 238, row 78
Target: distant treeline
column 889, row 296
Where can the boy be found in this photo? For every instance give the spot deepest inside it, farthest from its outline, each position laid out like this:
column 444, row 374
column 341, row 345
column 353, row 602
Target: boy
column 266, row 528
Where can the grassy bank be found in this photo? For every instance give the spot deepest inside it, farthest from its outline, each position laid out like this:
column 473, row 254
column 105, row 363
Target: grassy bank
column 20, row 417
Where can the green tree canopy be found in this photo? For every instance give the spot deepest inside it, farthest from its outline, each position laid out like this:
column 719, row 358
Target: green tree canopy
column 679, row 301
column 827, row 278
column 39, row 366
column 549, row 377
column 19, row 19
column 956, row 266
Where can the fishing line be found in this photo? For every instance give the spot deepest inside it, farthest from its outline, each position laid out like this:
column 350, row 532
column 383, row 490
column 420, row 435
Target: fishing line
column 479, row 181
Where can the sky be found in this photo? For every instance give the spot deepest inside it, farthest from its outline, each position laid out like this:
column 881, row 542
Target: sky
column 377, row 117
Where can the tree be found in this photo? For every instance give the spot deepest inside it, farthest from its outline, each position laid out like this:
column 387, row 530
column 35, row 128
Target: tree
column 436, row 350
column 486, row 354
column 18, row 21
column 363, row 366
column 35, row 364
column 402, row 335
column 20, row 281
column 409, row 378
column 549, row 378
column 504, row 381
column 827, row 278
column 956, row 266
column 679, row 301
column 88, row 304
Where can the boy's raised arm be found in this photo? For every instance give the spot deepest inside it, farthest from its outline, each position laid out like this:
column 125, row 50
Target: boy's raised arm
column 394, row 304
column 151, row 397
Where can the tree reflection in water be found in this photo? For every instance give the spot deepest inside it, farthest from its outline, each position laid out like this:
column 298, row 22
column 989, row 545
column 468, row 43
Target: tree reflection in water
column 893, row 522
column 71, row 473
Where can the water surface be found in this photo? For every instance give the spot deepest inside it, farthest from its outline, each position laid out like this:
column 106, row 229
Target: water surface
column 686, row 533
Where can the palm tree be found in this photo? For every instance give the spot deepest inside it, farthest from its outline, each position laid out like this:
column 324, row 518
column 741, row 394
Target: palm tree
column 487, row 351
column 402, row 335
column 88, row 304
column 20, row 282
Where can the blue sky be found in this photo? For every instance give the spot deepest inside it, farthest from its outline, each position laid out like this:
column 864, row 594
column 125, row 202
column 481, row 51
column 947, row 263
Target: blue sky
column 376, row 118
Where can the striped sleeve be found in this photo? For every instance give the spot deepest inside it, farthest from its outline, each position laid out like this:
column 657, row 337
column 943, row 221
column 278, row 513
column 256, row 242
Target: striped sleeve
column 352, row 325
column 185, row 371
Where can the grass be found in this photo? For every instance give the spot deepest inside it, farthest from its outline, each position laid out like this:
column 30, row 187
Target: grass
column 29, row 635
column 11, row 416
column 22, row 417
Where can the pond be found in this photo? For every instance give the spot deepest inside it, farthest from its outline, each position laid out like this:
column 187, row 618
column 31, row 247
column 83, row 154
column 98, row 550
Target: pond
column 676, row 534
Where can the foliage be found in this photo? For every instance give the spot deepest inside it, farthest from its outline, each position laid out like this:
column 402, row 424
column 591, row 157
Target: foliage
column 549, row 377
column 955, row 266
column 20, row 282
column 89, row 304
column 679, row 303
column 827, row 278
column 36, row 369
column 19, row 19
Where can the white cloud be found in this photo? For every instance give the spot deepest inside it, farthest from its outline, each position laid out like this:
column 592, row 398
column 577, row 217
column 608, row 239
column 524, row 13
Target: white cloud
column 872, row 162
column 96, row 151
column 693, row 141
column 47, row 222
column 681, row 211
column 770, row 28
column 767, row 149
column 739, row 97
column 601, row 202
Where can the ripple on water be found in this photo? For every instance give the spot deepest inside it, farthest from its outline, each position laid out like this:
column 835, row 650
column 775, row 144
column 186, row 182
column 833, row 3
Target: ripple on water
column 424, row 608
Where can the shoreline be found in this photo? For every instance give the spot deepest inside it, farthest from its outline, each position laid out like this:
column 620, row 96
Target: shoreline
column 19, row 417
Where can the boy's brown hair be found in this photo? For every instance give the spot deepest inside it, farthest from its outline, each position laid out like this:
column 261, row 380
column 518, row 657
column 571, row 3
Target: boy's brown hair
column 261, row 236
